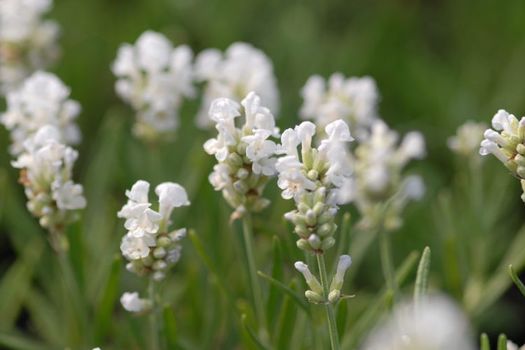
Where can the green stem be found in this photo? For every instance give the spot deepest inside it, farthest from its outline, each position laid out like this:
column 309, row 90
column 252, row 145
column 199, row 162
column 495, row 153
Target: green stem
column 330, row 314
column 153, row 316
column 255, row 287
column 387, row 263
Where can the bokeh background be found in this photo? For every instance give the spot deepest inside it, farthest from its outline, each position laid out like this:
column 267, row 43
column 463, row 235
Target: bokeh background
column 436, row 64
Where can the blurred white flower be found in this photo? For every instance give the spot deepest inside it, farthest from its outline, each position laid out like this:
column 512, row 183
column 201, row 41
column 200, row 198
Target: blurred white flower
column 352, row 99
column 241, row 69
column 41, row 100
column 437, row 324
column 378, row 179
column 507, row 143
column 313, row 177
column 467, row 139
column 245, row 153
column 148, row 245
column 154, row 78
column 512, row 346
column 27, row 42
column 46, row 172
column 133, row 303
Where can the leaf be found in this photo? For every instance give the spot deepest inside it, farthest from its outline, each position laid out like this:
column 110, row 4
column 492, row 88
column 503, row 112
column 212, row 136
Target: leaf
column 274, row 296
column 516, row 280
column 19, row 342
column 296, row 298
column 485, row 343
column 16, row 282
column 251, row 333
column 421, row 286
column 170, row 327
column 107, row 300
column 286, row 324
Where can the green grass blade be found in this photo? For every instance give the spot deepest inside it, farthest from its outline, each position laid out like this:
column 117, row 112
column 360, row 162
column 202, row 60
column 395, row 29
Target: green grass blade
column 275, row 296
column 421, row 286
column 108, row 299
column 296, row 298
column 286, row 324
column 517, row 280
column 251, row 333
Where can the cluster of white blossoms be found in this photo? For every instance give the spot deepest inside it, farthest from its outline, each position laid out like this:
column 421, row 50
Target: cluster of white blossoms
column 316, row 292
column 507, row 143
column 154, row 78
column 378, row 188
column 27, row 42
column 241, row 69
column 467, row 139
column 354, row 100
column 245, row 153
column 41, row 100
column 46, row 172
column 436, row 324
column 149, row 245
column 313, row 178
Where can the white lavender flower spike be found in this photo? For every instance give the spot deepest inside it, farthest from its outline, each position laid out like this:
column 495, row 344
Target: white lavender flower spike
column 507, row 143
column 313, row 178
column 437, row 324
column 27, row 42
column 241, row 69
column 353, row 99
column 149, row 245
column 46, row 170
column 467, row 139
column 513, row 346
column 245, row 152
column 154, row 78
column 41, row 100
column 378, row 178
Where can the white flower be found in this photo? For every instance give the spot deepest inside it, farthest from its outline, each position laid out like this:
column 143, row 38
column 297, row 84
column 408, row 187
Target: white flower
column 378, row 175
column 246, row 153
column 313, row 177
column 148, row 244
column 436, row 324
column 354, row 100
column 132, row 303
column 467, row 139
column 46, row 173
column 241, row 69
column 512, row 346
column 27, row 42
column 43, row 99
column 154, row 78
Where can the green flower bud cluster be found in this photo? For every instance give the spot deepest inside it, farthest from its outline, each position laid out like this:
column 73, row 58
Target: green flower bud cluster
column 161, row 257
column 314, row 221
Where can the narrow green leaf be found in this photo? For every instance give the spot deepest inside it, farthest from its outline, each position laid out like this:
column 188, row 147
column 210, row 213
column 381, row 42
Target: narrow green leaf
column 344, row 238
column 296, row 298
column 502, row 342
column 76, row 252
column 485, row 343
column 19, row 342
column 16, row 282
column 275, row 297
column 342, row 316
column 517, row 280
column 421, row 286
column 170, row 327
column 106, row 304
column 286, row 324
column 251, row 333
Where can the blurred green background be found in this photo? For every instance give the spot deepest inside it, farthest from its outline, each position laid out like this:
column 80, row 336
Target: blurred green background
column 436, row 63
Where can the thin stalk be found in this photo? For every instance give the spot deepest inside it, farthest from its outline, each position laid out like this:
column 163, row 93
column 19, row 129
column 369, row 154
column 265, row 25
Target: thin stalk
column 387, row 263
column 330, row 314
column 153, row 316
column 255, row 287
